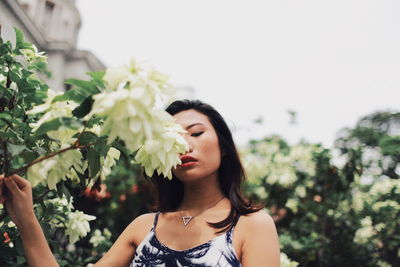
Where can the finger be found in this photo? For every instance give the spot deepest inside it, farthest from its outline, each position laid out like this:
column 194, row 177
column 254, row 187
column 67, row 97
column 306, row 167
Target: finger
column 12, row 186
column 3, row 199
column 21, row 182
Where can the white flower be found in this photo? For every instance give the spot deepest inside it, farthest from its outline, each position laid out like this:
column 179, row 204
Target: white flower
column 53, row 111
column 60, row 167
column 256, row 167
column 384, row 186
column 97, row 238
column 128, row 105
column 387, row 203
column 78, row 225
column 300, row 191
column 126, row 118
column 109, row 161
column 161, row 154
column 292, row 204
column 75, row 222
column 260, row 192
column 358, row 200
column 286, row 262
column 302, row 157
column 364, row 234
column 115, row 77
column 3, row 80
column 33, row 55
column 62, row 207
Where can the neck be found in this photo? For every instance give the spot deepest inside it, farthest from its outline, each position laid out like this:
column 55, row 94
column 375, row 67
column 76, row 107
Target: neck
column 201, row 195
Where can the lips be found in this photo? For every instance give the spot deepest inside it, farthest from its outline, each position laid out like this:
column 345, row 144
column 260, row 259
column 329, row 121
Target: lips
column 188, row 161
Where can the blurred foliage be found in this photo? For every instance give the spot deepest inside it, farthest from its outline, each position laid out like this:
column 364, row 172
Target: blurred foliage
column 331, row 210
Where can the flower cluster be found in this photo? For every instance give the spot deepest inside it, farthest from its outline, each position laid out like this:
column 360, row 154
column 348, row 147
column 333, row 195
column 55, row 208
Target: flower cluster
column 279, row 166
column 60, row 167
column 160, row 153
column 99, row 237
column 76, row 223
column 128, row 106
column 366, row 232
column 55, row 110
column 33, row 54
column 286, row 262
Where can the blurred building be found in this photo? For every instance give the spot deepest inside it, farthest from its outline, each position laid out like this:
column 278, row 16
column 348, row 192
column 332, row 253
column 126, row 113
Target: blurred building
column 53, row 26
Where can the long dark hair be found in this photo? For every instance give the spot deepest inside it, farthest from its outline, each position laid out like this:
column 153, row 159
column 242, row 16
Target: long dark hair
column 231, row 172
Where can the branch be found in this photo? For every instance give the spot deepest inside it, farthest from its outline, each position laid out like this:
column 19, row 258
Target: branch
column 5, row 157
column 74, row 146
column 2, row 216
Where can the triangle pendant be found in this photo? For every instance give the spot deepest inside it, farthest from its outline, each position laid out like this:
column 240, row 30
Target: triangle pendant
column 186, row 219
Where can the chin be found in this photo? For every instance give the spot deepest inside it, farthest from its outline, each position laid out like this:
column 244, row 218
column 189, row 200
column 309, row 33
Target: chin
column 190, row 176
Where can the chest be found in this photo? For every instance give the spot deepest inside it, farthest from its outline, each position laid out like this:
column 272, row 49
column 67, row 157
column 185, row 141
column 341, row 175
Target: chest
column 177, row 236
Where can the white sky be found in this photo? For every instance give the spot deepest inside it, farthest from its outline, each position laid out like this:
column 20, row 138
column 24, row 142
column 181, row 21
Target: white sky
column 330, row 61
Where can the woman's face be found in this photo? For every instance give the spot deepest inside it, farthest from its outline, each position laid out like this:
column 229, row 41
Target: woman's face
column 204, row 156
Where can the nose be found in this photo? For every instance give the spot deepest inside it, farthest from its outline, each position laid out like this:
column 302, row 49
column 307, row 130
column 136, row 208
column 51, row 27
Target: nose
column 190, row 144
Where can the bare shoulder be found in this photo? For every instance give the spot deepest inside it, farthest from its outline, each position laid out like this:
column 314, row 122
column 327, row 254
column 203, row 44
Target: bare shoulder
column 260, row 242
column 123, row 250
column 259, row 220
column 140, row 227
column 144, row 220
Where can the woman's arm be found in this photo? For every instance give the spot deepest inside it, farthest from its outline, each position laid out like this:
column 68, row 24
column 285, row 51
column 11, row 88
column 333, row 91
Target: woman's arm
column 123, row 250
column 20, row 207
column 260, row 246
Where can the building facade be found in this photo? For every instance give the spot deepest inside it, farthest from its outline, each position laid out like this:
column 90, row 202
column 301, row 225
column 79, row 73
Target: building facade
column 53, row 26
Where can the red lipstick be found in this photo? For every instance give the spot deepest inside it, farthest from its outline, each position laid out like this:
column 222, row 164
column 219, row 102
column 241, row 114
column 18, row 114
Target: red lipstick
column 188, row 161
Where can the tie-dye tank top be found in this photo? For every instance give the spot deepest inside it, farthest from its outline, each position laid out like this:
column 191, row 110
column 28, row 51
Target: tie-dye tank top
column 218, row 251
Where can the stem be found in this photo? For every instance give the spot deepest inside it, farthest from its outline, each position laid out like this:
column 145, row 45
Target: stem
column 8, row 83
column 5, row 159
column 77, row 139
column 42, row 195
column 74, row 146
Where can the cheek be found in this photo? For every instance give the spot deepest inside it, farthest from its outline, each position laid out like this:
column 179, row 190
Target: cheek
column 212, row 152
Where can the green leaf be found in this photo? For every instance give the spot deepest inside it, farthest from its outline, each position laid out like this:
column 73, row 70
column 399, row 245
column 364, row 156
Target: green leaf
column 60, row 193
column 84, row 108
column 15, row 149
column 79, row 93
column 20, row 42
column 97, row 75
column 98, row 78
column 55, row 124
column 86, row 138
column 93, row 121
column 7, row 117
column 94, row 162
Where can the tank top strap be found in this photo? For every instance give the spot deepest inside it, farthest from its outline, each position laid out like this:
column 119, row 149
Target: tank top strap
column 229, row 233
column 155, row 221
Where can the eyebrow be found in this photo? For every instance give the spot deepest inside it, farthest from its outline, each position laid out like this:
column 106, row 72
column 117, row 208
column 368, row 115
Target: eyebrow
column 194, row 124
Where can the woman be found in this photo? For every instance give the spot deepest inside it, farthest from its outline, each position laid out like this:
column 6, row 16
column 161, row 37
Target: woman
column 203, row 218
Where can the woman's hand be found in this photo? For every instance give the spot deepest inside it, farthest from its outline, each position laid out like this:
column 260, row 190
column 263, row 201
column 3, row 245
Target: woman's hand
column 18, row 201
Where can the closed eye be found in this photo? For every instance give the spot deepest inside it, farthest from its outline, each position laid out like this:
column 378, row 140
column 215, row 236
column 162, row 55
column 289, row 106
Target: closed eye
column 197, row 134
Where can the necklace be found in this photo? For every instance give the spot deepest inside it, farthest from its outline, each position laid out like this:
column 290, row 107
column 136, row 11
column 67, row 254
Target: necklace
column 187, row 219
